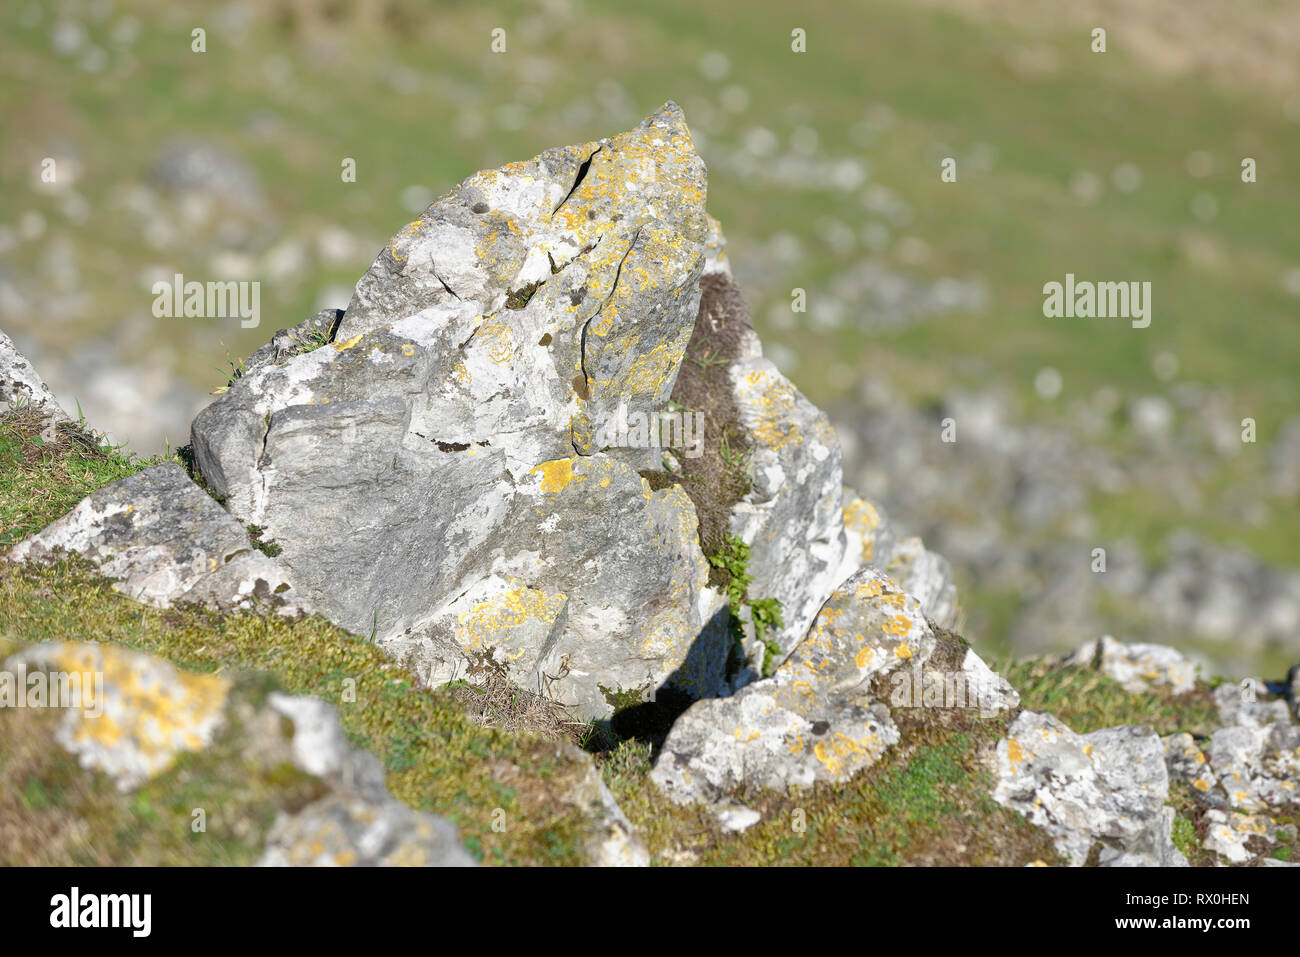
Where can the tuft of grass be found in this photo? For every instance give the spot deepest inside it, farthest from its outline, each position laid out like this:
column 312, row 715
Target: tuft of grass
column 44, row 473
column 236, row 372
column 518, row 298
column 270, row 549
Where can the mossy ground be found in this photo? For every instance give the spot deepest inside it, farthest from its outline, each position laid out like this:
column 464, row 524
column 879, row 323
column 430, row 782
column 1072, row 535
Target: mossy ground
column 438, row 757
column 53, row 812
column 1088, row 701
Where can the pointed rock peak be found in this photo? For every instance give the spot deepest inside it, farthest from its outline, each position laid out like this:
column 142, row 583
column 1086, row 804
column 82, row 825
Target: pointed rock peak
column 492, row 240
column 672, row 120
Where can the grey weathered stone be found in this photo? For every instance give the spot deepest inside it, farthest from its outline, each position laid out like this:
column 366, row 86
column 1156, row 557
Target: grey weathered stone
column 1188, row 764
column 815, row 719
column 1108, row 787
column 1258, row 767
column 1138, row 667
column 21, row 384
column 1230, row 835
column 923, row 574
column 359, row 823
column 345, row 830
column 1238, row 704
column 792, row 518
column 992, row 692
column 870, row 534
column 734, row 817
column 612, row 841
column 165, row 540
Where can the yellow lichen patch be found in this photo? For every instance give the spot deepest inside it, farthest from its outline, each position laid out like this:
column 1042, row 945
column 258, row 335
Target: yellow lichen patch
column 498, row 340
column 485, row 623
column 840, row 753
column 404, row 235
column 861, row 518
column 774, row 399
column 142, row 714
column 603, row 323
column 556, row 474
column 1015, row 753
column 649, row 373
column 870, row 589
column 340, row 346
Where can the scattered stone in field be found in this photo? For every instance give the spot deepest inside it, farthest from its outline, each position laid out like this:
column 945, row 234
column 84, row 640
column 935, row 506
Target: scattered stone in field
column 1238, row 705
column 345, row 831
column 735, row 817
column 1107, row 788
column 187, row 166
column 1258, row 767
column 126, row 714
column 358, row 823
column 1188, row 764
column 1239, row 837
column 1138, row 667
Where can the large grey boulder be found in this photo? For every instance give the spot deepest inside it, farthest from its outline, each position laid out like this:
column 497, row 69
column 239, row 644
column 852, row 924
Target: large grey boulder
column 432, row 473
column 164, row 540
column 438, row 466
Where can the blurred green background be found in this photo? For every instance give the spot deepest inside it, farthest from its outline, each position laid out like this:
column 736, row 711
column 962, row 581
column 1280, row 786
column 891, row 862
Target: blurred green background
column 824, row 170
